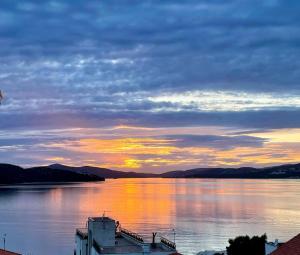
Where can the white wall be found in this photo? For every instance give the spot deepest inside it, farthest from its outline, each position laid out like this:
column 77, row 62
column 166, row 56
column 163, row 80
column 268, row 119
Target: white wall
column 81, row 246
column 269, row 248
column 103, row 232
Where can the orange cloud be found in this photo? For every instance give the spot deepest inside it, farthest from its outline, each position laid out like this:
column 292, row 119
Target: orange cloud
column 151, row 153
column 281, row 135
column 56, row 159
column 124, row 145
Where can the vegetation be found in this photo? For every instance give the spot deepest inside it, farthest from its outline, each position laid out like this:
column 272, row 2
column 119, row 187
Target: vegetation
column 10, row 174
column 247, row 246
column 275, row 172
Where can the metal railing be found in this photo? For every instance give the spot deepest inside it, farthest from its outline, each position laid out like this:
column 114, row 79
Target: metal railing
column 168, row 243
column 82, row 232
column 133, row 235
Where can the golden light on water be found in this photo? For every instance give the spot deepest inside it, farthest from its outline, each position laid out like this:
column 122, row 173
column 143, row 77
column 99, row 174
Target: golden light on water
column 160, row 203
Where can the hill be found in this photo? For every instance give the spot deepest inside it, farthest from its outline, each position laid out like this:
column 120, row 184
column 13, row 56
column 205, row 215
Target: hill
column 10, row 174
column 63, row 173
column 275, row 172
column 103, row 172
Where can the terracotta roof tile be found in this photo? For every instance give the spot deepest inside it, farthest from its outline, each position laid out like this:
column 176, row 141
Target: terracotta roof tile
column 291, row 247
column 3, row 252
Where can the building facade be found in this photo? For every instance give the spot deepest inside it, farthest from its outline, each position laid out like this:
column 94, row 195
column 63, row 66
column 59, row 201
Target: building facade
column 104, row 236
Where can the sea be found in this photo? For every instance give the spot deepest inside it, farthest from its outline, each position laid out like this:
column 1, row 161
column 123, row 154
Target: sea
column 198, row 214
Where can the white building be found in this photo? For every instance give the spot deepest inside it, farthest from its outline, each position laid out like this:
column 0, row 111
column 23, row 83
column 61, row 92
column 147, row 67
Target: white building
column 104, row 236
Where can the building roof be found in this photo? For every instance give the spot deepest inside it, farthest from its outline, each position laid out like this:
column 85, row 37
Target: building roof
column 291, row 247
column 3, row 252
column 126, row 246
column 102, row 219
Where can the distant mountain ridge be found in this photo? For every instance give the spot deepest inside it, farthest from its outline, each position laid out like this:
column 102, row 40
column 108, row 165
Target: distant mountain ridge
column 63, row 173
column 11, row 174
column 103, row 172
column 274, row 172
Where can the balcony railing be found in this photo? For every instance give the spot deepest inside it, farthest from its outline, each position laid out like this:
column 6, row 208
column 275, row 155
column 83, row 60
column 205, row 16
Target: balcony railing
column 133, row 235
column 82, row 232
column 168, row 243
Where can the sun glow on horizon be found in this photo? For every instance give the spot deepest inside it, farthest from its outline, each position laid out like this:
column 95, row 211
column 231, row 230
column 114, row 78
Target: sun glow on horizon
column 162, row 153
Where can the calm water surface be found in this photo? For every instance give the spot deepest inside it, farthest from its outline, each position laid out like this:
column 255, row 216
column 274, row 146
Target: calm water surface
column 205, row 213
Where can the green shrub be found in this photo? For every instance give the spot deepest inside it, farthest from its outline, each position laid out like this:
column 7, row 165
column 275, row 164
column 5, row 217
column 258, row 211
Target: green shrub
column 244, row 245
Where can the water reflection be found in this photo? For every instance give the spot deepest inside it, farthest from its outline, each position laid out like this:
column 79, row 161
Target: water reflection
column 205, row 213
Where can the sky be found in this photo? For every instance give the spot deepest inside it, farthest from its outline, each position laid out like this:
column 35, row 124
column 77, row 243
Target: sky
column 150, row 85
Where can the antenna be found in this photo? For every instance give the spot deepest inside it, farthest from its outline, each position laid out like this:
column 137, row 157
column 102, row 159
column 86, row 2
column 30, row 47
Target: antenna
column 174, row 233
column 103, row 215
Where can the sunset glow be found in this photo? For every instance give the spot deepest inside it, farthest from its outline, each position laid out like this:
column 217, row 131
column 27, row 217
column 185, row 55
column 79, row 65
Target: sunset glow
column 149, row 86
column 153, row 150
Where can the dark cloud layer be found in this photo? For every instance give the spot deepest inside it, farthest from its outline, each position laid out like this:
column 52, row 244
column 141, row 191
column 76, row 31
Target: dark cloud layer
column 166, row 45
column 260, row 120
column 218, row 142
column 84, row 55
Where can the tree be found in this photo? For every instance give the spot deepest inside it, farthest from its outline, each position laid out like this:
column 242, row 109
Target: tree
column 244, row 245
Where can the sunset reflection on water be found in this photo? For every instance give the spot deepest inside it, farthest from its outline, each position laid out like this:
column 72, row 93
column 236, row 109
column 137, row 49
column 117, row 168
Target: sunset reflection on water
column 205, row 213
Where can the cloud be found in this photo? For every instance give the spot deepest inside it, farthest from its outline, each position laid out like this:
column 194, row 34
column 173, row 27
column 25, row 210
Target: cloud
column 215, row 101
column 87, row 119
column 153, row 154
column 169, row 64
column 169, row 45
column 217, row 142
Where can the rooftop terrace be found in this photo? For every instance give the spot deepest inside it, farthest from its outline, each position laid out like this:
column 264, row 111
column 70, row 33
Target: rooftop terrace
column 124, row 246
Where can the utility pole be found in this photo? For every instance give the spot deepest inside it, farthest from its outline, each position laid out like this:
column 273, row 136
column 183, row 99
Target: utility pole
column 4, row 240
column 174, row 233
column 1, row 97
